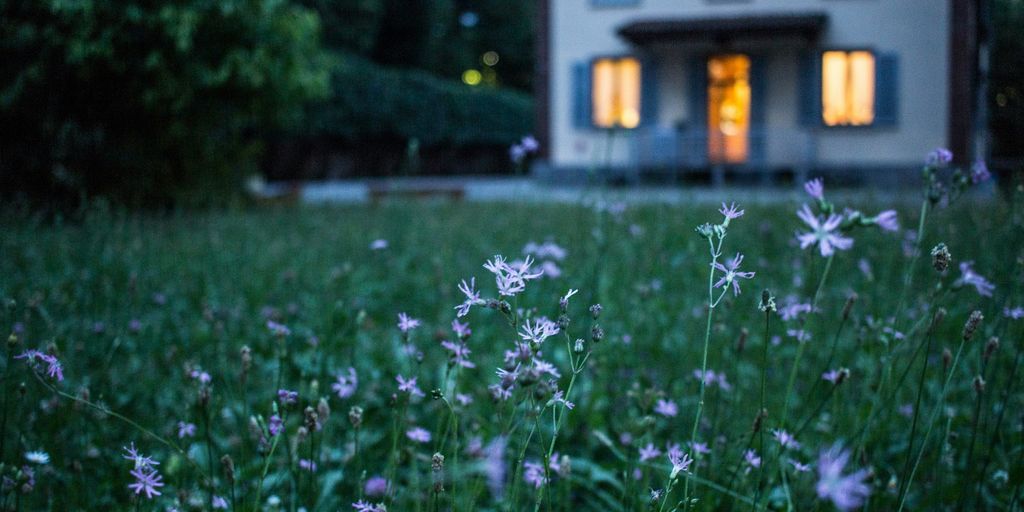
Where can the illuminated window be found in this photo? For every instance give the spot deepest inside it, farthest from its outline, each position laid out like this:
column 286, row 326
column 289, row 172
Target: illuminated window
column 848, row 88
column 616, row 93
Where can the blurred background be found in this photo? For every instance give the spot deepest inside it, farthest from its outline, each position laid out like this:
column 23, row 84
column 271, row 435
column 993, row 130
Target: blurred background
column 159, row 104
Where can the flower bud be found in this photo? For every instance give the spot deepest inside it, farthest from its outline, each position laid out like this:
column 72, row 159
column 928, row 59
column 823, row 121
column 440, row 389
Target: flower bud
column 310, row 419
column 947, row 359
column 767, row 302
column 972, row 324
column 12, row 341
column 596, row 334
column 246, row 356
column 595, row 311
column 941, row 257
column 437, row 462
column 228, row 466
column 937, row 319
column 323, row 411
column 578, row 348
column 990, row 347
column 355, row 416
column 741, row 341
column 979, row 384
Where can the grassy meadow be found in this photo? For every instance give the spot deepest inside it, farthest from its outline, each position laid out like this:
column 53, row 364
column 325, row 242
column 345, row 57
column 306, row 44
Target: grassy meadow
column 174, row 334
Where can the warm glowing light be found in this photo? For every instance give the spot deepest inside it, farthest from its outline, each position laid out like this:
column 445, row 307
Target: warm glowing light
column 615, row 93
column 848, row 88
column 728, row 108
column 490, row 58
column 471, row 77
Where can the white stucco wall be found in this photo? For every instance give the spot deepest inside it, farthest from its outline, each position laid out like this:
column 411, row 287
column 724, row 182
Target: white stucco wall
column 916, row 30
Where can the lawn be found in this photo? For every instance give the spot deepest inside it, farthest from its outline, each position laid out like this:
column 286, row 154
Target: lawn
column 176, row 333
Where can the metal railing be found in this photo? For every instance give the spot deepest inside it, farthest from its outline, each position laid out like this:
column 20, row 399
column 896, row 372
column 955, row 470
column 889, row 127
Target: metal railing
column 687, row 149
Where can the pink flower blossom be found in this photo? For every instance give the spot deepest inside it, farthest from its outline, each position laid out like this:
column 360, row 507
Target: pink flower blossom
column 815, row 188
column 731, row 212
column 666, row 408
column 785, row 439
column 345, row 386
column 847, row 492
column 887, row 220
column 472, row 298
column 534, row 474
column 418, row 434
column 409, row 386
column 732, row 274
column 824, row 234
column 407, row 323
column 649, row 452
column 969, row 277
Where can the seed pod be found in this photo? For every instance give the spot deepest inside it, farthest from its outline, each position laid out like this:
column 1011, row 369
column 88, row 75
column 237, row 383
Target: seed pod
column 741, row 341
column 947, row 358
column 990, row 347
column 228, row 466
column 941, row 257
column 937, row 319
column 310, row 418
column 595, row 311
column 849, row 305
column 596, row 333
column 972, row 324
column 979, row 384
column 355, row 416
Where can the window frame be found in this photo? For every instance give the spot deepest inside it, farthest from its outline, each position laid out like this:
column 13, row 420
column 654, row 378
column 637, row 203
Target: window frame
column 640, row 89
column 820, row 79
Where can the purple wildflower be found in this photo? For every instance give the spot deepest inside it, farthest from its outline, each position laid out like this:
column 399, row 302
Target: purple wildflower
column 494, row 465
column 969, row 276
column 822, row 234
column 752, row 458
column 278, row 329
column 1015, row 314
column 307, row 465
column 375, row 486
column 785, row 439
column 794, row 309
column 463, row 399
column 418, row 434
column 979, row 172
column 529, row 144
column 680, row 461
column 516, row 153
column 363, row 506
column 472, row 298
column 846, row 492
column 378, row 245
column 186, row 430
column 815, row 188
column 139, row 460
column 887, row 220
column 287, row 397
column 461, row 330
column 459, row 353
column 800, row 467
column 732, row 274
column 407, row 323
column 275, row 425
column 649, row 452
column 939, row 157
column 538, row 331
column 701, row 448
column 831, row 376
column 559, row 398
column 534, row 474
column 345, row 386
column 666, row 408
column 511, row 278
column 54, row 369
column 731, row 212
column 220, row 503
column 147, row 480
column 409, row 386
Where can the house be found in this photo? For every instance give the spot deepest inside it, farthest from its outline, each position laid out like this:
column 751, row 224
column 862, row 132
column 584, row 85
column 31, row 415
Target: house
column 729, row 86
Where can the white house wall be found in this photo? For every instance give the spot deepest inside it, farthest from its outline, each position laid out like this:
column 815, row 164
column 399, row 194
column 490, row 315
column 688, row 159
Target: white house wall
column 916, row 30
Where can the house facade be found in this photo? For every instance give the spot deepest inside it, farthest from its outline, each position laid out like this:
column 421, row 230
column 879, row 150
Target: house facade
column 734, row 85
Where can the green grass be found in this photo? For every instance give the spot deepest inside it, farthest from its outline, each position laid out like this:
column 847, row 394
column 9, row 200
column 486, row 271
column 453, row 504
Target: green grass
column 222, row 274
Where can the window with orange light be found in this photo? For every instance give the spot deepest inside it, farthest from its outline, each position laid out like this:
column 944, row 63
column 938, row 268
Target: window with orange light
column 848, row 88
column 615, row 92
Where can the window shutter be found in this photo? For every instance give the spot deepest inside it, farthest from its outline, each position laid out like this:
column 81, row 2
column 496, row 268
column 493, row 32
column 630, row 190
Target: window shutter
column 697, row 87
column 648, row 91
column 582, row 114
column 810, row 90
column 887, row 89
column 758, row 107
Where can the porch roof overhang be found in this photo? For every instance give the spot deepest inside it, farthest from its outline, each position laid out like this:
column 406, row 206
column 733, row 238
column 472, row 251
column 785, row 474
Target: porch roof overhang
column 722, row 29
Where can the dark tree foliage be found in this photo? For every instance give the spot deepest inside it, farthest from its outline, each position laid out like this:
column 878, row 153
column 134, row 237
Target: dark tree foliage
column 147, row 102
column 1006, row 94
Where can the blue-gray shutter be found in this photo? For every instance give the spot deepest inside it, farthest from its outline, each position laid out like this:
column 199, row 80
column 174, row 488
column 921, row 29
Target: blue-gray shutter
column 614, row 3
column 582, row 114
column 648, row 91
column 697, row 85
column 887, row 89
column 758, row 107
column 809, row 90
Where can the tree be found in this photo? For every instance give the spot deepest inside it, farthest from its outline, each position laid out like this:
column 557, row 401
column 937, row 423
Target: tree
column 148, row 101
